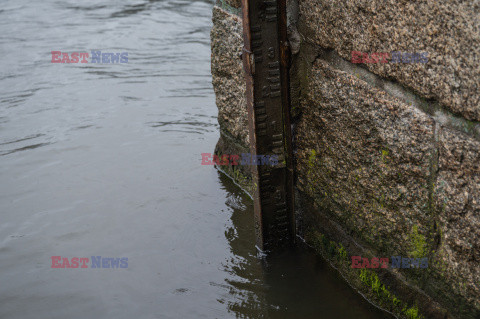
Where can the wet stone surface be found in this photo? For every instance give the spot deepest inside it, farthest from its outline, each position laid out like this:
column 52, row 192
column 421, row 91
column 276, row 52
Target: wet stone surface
column 447, row 30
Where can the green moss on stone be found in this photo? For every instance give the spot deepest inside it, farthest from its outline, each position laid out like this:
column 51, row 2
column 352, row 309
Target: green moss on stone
column 412, row 313
column 384, row 156
column 239, row 177
column 311, row 158
column 418, row 244
column 342, row 252
column 366, row 280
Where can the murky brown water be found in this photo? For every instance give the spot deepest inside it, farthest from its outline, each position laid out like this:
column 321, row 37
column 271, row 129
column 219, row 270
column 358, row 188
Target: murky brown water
column 104, row 160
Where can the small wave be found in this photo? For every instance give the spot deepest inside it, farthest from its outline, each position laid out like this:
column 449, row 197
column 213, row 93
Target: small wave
column 25, row 148
column 22, row 139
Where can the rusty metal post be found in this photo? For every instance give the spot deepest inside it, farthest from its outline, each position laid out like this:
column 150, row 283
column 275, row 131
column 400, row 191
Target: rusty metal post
column 265, row 60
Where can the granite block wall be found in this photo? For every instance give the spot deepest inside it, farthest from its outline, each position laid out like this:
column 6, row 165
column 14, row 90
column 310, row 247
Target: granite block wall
column 388, row 154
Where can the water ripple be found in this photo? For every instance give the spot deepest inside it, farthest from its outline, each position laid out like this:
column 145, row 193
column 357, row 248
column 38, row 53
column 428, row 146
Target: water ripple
column 25, row 148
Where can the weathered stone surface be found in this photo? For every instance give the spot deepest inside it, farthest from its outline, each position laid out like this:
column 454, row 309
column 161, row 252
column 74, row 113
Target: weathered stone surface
column 231, row 3
column 458, row 204
column 365, row 156
column 381, row 169
column 227, row 74
column 447, row 30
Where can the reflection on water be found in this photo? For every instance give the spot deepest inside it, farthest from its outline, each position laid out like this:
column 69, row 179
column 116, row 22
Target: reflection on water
column 104, row 160
column 292, row 284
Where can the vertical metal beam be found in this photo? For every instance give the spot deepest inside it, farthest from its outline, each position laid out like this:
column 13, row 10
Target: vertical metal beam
column 265, row 60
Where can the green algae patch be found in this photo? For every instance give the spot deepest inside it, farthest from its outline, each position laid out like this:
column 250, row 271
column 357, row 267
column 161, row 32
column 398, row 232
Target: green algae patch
column 412, row 313
column 385, row 297
column 311, row 158
column 240, row 177
column 385, row 156
column 366, row 281
column 418, row 248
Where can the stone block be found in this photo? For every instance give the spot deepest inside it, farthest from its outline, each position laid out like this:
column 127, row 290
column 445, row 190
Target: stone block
column 447, row 30
column 227, row 74
column 458, row 204
column 365, row 157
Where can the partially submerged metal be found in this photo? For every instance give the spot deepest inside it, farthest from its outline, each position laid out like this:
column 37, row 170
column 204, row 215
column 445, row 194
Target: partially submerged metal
column 265, row 59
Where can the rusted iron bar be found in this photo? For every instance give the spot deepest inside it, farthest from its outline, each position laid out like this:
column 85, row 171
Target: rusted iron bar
column 265, row 60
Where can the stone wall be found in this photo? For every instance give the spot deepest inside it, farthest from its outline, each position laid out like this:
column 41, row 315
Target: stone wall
column 388, row 155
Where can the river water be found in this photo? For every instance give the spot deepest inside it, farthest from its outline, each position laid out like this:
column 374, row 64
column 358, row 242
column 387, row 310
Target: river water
column 104, row 160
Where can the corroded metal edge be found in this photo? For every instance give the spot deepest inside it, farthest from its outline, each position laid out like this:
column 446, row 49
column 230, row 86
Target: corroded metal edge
column 266, row 62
